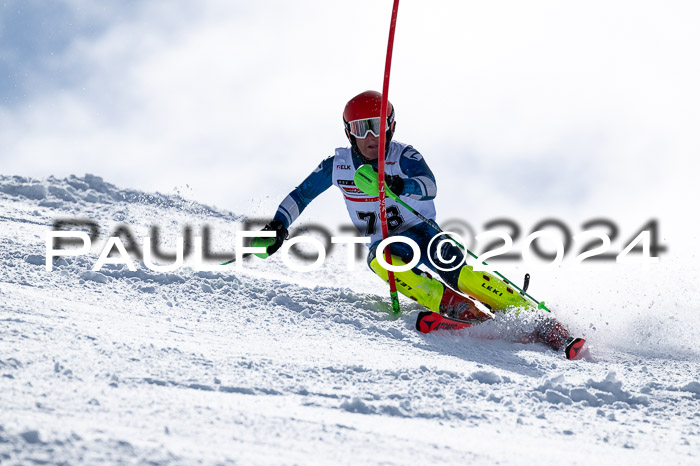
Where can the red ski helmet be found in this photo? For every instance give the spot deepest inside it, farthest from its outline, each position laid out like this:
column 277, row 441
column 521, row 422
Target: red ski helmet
column 364, row 106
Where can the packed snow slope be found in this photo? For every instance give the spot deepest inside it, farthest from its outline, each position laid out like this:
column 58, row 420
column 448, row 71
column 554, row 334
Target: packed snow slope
column 268, row 366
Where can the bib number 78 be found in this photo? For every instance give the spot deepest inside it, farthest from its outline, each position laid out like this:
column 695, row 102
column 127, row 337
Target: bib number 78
column 393, row 220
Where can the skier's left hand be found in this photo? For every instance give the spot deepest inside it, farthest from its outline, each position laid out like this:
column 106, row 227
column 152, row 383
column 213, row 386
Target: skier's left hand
column 395, row 183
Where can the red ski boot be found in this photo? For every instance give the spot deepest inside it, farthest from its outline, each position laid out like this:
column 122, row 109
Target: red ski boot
column 556, row 336
column 456, row 306
column 551, row 333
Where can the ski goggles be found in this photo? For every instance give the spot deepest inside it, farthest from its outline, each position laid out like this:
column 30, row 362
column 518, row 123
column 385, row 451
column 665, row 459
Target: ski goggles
column 360, row 128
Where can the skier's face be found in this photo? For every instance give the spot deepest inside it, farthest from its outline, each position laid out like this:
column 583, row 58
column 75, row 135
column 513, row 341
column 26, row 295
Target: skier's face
column 369, row 146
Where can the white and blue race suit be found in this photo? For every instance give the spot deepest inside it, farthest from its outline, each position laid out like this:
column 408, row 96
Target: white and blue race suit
column 419, row 191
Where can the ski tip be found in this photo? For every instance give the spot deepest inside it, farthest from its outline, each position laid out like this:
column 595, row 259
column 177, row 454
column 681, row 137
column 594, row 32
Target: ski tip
column 574, row 347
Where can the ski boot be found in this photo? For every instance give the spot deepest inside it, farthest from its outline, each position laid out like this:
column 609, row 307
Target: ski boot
column 551, row 333
column 556, row 336
column 456, row 306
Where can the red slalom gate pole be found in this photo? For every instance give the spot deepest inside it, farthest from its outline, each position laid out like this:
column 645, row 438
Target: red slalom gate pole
column 382, row 146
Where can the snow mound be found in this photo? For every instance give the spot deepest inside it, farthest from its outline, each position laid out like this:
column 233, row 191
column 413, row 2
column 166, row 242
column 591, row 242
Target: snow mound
column 73, row 194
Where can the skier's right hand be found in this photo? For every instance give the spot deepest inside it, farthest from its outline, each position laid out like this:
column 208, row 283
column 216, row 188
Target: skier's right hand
column 271, row 244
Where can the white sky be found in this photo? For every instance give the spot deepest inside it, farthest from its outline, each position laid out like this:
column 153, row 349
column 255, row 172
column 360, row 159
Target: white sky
column 522, row 109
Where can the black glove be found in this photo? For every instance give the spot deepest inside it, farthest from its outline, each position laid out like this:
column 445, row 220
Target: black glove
column 271, row 245
column 395, row 183
column 282, row 235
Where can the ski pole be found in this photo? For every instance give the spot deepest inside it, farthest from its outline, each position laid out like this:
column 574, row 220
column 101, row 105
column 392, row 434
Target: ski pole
column 368, row 181
column 247, row 254
column 257, row 242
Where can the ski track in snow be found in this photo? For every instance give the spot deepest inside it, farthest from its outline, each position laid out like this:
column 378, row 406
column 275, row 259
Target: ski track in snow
column 264, row 366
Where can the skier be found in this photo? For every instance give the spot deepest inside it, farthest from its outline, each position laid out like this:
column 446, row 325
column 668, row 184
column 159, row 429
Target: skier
column 407, row 176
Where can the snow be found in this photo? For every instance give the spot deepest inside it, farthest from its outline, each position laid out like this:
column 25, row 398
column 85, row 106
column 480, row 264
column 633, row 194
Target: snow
column 268, row 366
